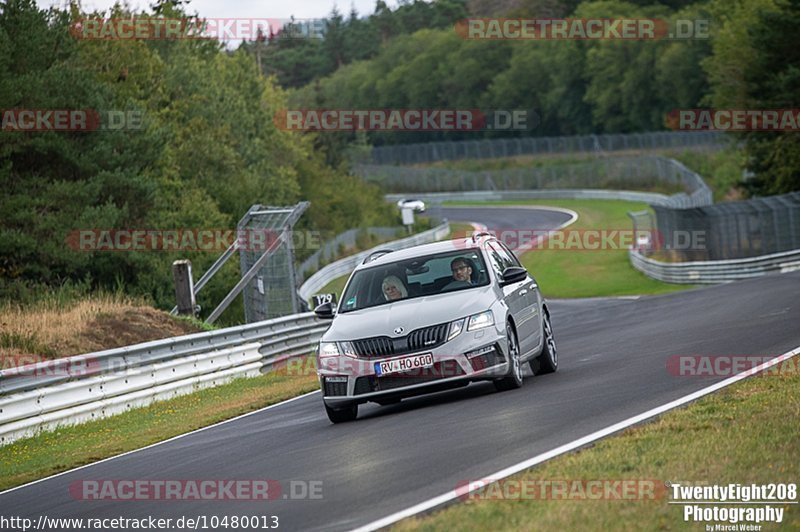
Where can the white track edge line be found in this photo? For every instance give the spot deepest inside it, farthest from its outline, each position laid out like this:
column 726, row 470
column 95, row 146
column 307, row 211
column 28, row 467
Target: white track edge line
column 521, row 466
column 9, row 490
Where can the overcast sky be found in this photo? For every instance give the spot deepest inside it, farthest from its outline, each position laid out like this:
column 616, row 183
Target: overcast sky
column 246, row 8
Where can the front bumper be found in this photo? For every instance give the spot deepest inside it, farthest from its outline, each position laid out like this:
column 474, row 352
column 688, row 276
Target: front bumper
column 476, row 355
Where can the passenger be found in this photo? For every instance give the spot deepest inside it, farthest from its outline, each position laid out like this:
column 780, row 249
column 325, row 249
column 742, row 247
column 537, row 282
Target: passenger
column 393, row 288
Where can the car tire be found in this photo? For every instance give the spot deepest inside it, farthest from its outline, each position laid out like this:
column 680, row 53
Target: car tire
column 514, row 378
column 349, row 413
column 547, row 361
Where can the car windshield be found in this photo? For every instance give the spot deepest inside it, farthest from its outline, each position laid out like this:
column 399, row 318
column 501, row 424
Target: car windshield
column 415, row 277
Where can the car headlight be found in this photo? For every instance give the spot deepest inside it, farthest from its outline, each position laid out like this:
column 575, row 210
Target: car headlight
column 480, row 321
column 347, row 349
column 335, row 349
column 328, row 349
column 455, row 329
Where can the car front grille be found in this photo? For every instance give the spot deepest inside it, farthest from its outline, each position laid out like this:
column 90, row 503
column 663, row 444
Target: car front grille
column 440, row 370
column 379, row 346
column 427, row 338
column 417, row 340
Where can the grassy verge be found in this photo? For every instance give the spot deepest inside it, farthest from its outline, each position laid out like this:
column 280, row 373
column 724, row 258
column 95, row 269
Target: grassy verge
column 588, row 273
column 721, row 170
column 747, row 433
column 543, row 160
column 68, row 447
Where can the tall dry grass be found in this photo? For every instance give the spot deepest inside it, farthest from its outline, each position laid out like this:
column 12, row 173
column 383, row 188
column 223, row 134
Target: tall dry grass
column 52, row 327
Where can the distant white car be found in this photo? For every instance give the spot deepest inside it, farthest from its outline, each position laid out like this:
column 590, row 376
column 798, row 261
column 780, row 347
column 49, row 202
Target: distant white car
column 413, row 204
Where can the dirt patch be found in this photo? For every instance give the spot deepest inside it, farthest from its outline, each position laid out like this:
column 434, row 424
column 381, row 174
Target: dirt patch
column 49, row 331
column 130, row 326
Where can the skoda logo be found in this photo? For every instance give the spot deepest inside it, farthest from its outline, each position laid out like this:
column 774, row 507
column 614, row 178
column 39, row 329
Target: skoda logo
column 399, row 330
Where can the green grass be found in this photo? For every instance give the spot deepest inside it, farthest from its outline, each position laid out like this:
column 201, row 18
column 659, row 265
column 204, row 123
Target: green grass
column 520, row 161
column 65, row 448
column 588, row 273
column 721, row 170
column 747, row 433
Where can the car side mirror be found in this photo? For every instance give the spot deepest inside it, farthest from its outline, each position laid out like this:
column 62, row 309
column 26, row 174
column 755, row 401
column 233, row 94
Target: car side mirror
column 324, row 311
column 513, row 274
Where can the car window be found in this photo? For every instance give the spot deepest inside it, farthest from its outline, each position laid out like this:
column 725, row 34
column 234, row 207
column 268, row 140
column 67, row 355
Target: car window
column 508, row 258
column 496, row 260
column 417, row 277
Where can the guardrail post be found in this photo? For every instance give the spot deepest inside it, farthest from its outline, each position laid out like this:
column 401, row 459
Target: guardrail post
column 184, row 289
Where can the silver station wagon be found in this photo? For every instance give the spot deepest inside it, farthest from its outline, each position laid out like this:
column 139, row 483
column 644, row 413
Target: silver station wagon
column 429, row 318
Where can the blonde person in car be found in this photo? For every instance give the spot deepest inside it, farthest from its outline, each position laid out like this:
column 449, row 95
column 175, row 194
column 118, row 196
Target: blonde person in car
column 393, row 288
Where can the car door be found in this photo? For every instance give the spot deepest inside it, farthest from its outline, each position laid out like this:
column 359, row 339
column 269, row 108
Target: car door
column 530, row 322
column 513, row 295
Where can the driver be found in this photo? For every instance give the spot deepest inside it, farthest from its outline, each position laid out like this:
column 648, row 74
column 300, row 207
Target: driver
column 462, row 274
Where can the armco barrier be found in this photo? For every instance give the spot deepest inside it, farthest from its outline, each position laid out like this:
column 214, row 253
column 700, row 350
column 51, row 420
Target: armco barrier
column 53, row 372
column 85, row 387
column 715, row 271
column 346, row 265
column 500, row 195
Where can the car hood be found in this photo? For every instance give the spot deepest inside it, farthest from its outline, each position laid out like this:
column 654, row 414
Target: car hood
column 409, row 314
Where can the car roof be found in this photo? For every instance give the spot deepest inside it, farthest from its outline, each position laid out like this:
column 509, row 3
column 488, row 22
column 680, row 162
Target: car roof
column 462, row 244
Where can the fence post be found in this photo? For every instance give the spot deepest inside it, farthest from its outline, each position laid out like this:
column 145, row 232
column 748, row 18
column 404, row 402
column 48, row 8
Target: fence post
column 184, row 287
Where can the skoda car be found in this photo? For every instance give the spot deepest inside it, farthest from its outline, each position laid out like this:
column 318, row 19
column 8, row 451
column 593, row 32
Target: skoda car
column 432, row 317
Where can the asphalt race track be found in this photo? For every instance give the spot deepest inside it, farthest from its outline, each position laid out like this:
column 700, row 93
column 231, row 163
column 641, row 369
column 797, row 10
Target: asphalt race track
column 511, row 218
column 612, row 355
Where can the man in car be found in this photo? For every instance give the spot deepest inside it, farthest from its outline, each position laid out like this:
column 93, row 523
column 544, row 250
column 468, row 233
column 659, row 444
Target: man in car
column 462, row 274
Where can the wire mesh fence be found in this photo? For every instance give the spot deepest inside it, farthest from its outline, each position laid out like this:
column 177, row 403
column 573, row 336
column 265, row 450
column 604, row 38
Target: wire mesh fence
column 272, row 290
column 651, row 173
column 730, row 230
column 510, row 147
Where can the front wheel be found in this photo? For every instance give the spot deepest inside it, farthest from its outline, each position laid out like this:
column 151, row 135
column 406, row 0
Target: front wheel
column 514, row 378
column 547, row 361
column 349, row 413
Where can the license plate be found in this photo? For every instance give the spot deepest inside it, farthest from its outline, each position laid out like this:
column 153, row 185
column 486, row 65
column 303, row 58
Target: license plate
column 403, row 364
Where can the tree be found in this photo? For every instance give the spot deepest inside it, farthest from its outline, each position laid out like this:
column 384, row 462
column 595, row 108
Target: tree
column 756, row 65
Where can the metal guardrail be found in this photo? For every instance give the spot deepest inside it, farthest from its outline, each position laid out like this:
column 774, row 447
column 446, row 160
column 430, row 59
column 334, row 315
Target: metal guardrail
column 500, row 195
column 85, row 387
column 715, row 271
column 346, row 265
